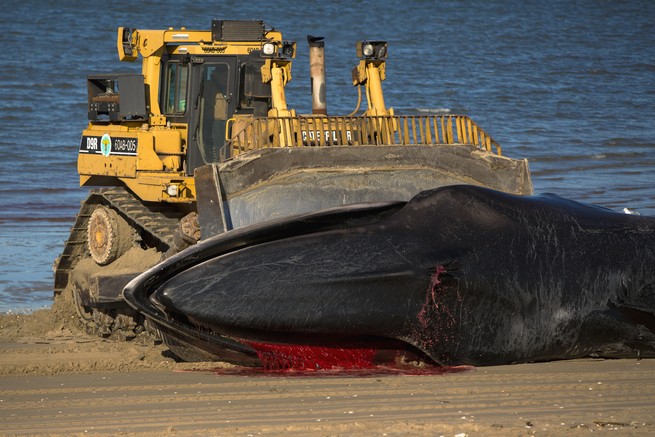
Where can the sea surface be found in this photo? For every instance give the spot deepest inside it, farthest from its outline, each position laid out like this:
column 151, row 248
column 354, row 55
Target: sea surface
column 570, row 85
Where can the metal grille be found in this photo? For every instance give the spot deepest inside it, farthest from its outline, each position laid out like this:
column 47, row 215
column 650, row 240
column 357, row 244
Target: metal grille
column 238, row 30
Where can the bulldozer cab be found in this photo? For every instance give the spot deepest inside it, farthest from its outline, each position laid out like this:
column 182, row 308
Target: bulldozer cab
column 200, row 92
column 204, row 93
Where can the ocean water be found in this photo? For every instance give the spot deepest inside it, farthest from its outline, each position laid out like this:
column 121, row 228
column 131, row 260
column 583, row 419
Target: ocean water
column 570, row 85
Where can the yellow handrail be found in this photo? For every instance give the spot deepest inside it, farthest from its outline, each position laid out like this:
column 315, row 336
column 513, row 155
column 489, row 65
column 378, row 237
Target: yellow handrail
column 323, row 131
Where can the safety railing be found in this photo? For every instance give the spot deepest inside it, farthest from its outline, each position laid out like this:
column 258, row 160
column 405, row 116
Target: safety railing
column 322, row 131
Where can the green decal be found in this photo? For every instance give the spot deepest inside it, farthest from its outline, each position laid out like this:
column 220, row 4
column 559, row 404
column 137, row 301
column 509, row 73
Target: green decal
column 105, row 145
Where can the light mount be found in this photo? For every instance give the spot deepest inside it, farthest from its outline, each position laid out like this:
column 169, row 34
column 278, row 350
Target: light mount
column 279, row 49
column 372, row 50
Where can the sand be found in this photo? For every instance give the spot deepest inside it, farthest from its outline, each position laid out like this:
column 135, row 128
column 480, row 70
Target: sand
column 57, row 380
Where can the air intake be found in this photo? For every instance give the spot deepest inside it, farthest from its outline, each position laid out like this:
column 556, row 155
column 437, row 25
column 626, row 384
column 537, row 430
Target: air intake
column 237, row 30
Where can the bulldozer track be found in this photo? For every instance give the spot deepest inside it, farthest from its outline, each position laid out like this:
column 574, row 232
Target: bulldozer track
column 153, row 219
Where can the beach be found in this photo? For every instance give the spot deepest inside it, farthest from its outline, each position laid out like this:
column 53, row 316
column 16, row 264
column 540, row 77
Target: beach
column 57, row 380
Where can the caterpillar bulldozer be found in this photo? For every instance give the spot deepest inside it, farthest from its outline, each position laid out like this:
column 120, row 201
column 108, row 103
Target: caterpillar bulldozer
column 202, row 143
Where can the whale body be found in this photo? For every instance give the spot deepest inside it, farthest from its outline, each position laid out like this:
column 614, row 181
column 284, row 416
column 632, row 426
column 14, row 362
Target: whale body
column 457, row 275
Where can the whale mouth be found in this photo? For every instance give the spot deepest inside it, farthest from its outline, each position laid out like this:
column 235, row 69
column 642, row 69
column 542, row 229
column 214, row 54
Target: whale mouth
column 277, row 352
column 230, row 334
column 274, row 351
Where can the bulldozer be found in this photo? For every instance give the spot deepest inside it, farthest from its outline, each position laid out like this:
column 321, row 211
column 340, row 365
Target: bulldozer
column 202, row 143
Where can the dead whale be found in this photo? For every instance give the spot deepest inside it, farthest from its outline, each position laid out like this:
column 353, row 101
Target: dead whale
column 457, row 275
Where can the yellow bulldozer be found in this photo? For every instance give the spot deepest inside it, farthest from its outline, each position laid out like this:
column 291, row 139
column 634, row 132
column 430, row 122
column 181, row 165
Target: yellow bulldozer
column 202, row 142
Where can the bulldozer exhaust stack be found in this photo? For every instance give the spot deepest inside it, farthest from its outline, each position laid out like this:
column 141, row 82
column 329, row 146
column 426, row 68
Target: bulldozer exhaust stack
column 317, row 73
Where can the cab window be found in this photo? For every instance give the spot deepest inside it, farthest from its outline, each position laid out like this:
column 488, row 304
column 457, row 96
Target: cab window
column 175, row 88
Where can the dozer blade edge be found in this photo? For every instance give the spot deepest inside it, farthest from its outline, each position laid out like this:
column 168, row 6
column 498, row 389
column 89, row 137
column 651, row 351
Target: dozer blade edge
column 457, row 275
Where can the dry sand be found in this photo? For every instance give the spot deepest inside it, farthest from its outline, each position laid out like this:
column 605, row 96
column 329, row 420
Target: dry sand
column 56, row 380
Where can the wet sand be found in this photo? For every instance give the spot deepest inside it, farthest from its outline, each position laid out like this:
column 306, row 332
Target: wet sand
column 55, row 380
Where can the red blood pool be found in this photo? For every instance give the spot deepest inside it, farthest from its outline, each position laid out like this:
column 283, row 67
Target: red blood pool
column 309, row 357
column 326, row 361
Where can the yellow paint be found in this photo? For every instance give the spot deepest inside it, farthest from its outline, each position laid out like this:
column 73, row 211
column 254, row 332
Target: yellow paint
column 162, row 145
